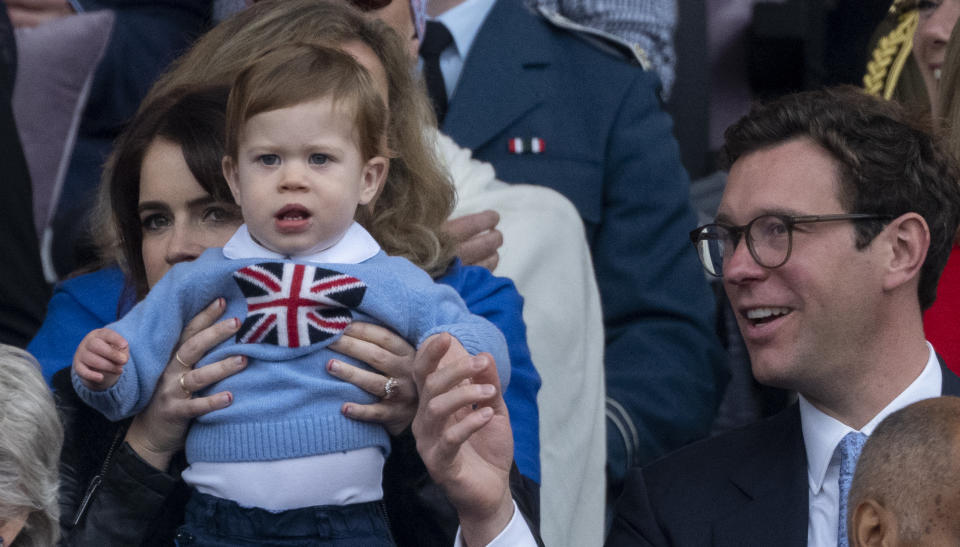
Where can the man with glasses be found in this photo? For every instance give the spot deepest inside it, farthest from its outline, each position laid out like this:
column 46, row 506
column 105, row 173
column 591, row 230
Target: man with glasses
column 835, row 224
column 833, row 229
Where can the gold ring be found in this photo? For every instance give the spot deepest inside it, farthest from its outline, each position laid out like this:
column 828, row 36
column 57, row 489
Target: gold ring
column 179, row 360
column 183, row 386
column 390, row 387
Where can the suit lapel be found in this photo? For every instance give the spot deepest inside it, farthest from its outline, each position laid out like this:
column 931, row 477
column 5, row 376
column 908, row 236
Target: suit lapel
column 774, row 481
column 951, row 383
column 502, row 77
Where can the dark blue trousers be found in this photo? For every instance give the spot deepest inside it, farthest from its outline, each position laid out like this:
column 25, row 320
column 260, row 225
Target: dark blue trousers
column 215, row 522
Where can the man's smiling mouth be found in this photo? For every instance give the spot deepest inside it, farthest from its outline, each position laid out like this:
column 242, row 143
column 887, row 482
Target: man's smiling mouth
column 759, row 316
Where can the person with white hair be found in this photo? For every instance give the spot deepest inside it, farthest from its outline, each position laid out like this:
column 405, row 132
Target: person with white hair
column 30, row 440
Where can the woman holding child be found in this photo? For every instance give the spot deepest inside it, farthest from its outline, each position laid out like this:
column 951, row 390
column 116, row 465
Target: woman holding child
column 304, row 128
column 166, row 415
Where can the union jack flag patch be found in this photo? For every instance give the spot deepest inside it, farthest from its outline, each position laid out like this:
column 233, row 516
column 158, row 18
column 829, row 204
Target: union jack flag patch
column 294, row 305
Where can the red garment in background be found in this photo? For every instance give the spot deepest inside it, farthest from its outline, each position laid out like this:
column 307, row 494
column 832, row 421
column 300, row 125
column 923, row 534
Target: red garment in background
column 942, row 321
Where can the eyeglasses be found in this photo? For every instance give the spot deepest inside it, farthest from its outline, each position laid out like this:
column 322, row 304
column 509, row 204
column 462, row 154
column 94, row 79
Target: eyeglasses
column 769, row 239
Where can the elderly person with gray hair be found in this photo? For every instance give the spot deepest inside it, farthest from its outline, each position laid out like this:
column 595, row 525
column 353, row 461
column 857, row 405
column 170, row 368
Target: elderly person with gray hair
column 30, row 440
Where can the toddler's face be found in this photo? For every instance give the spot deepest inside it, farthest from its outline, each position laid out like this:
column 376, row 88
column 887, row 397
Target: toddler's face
column 299, row 176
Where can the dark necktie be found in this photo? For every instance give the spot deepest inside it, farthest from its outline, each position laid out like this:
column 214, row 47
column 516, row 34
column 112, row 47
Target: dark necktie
column 435, row 40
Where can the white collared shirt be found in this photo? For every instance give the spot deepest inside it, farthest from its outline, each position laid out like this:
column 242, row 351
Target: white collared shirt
column 354, row 247
column 822, row 435
column 463, row 22
column 515, row 534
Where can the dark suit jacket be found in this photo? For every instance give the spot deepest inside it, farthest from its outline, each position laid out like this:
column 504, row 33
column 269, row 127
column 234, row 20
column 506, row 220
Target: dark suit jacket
column 146, row 36
column 23, row 290
column 609, row 149
column 746, row 487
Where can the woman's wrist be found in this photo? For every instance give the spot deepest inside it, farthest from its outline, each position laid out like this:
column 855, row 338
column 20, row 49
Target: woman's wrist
column 139, row 442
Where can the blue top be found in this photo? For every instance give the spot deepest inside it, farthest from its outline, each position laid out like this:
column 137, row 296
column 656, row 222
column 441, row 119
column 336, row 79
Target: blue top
column 287, row 405
column 87, row 302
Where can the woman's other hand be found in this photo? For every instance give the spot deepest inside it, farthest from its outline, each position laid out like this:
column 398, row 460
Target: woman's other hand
column 159, row 431
column 392, row 357
column 477, row 238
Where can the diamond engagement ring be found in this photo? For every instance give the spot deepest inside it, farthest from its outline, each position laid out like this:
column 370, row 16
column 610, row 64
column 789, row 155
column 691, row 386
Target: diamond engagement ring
column 390, row 387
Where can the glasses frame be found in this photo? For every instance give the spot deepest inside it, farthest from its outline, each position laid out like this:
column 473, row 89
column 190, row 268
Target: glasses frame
column 737, row 233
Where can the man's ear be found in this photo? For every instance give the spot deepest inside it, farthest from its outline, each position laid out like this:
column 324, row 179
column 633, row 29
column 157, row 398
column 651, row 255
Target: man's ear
column 230, row 173
column 873, row 525
column 909, row 238
column 372, row 178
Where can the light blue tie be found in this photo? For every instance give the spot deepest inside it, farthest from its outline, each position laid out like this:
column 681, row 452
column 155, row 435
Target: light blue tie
column 850, row 447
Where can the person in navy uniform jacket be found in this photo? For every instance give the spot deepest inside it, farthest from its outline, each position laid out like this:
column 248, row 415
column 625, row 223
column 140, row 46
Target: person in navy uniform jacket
column 574, row 110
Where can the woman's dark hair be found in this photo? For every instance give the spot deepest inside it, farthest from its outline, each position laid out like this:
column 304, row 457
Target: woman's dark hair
column 190, row 118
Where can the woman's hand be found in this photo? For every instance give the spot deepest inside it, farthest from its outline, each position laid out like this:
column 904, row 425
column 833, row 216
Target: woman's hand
column 477, row 238
column 392, row 356
column 158, row 432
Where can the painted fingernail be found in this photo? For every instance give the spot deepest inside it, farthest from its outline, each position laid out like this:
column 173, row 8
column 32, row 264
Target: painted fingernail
column 347, row 410
column 236, row 323
column 220, row 303
column 487, row 390
column 239, row 361
column 333, row 366
column 227, row 399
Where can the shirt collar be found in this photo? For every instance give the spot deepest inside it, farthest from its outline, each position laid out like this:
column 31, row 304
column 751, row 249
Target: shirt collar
column 822, row 433
column 354, row 247
column 464, row 22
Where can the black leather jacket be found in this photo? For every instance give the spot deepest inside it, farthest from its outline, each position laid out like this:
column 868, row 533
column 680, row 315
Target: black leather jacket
column 109, row 496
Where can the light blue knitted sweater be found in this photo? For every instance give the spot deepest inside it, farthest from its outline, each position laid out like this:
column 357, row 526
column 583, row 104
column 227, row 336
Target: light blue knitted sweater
column 285, row 404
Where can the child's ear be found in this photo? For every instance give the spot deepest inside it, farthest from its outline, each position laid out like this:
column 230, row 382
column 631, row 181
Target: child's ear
column 230, row 173
column 372, row 178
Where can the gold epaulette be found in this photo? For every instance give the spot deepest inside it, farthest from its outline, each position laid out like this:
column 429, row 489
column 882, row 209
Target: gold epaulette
column 888, row 58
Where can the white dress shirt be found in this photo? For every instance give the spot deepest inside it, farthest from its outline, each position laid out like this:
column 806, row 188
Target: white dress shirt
column 821, row 437
column 516, row 534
